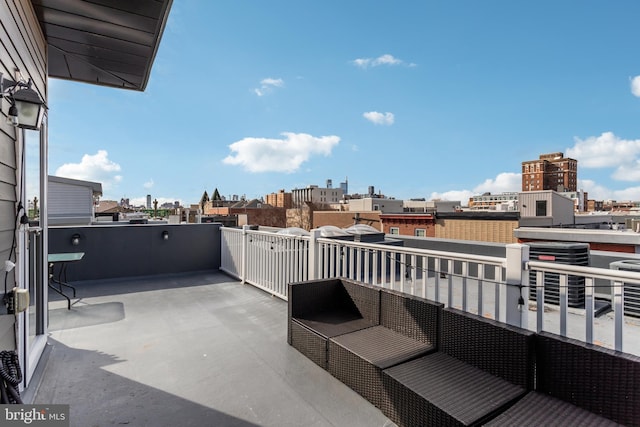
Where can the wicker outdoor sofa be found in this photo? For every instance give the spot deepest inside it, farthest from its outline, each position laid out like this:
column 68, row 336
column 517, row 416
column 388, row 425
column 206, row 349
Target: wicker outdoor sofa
column 425, row 365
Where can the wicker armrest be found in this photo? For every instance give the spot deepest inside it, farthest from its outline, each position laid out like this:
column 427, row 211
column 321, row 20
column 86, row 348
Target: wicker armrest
column 500, row 349
column 440, row 390
column 602, row 381
column 537, row 409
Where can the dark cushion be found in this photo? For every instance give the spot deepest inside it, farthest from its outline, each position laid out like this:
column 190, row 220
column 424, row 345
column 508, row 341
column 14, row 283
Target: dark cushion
column 382, row 347
column 438, row 389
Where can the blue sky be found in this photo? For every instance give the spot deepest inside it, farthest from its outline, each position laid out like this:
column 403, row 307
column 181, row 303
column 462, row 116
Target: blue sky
column 417, row 98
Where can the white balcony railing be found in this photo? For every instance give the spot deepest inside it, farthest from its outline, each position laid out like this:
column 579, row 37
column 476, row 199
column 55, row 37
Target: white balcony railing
column 493, row 287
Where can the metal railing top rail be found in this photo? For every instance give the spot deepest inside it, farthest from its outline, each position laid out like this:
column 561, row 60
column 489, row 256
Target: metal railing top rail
column 594, row 272
column 454, row 256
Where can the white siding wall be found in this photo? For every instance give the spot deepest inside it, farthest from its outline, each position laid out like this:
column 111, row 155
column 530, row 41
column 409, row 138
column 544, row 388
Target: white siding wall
column 69, row 204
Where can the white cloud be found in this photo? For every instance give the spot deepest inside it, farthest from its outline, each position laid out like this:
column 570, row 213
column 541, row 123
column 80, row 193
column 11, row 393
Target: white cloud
column 635, row 86
column 96, row 168
column 628, row 172
column 461, row 196
column 599, row 192
column 279, row 155
column 385, row 59
column 267, row 85
column 379, row 118
column 609, row 151
column 361, row 62
column 504, row 182
column 626, row 194
column 606, row 150
column 595, row 191
column 148, row 184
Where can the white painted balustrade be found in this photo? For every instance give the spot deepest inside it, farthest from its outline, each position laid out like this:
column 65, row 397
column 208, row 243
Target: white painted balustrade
column 493, row 287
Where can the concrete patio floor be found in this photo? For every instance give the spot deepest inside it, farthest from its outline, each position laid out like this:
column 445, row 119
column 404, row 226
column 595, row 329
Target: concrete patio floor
column 186, row 350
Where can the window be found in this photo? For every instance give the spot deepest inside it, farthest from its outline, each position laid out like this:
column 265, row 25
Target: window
column 394, row 230
column 541, row 208
column 420, row 232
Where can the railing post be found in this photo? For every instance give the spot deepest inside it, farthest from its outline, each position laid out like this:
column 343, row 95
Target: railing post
column 243, row 260
column 314, row 254
column 618, row 313
column 515, row 298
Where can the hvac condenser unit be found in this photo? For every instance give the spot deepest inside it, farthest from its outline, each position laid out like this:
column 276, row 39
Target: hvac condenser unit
column 561, row 253
column 631, row 293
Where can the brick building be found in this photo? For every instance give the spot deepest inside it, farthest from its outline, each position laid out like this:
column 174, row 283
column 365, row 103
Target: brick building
column 497, row 227
column 252, row 212
column 281, row 199
column 344, row 219
column 550, row 172
column 420, row 225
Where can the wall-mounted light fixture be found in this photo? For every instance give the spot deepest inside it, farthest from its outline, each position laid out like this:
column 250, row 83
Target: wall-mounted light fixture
column 26, row 108
column 165, row 235
column 75, row 239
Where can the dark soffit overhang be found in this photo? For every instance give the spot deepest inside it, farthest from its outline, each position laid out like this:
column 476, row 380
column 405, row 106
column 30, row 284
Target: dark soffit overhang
column 105, row 42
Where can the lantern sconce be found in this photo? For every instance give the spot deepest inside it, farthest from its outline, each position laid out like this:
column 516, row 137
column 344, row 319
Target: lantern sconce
column 26, row 108
column 165, row 235
column 75, row 239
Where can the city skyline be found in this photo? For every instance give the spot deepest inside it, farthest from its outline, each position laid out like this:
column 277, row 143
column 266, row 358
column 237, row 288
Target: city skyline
column 419, row 99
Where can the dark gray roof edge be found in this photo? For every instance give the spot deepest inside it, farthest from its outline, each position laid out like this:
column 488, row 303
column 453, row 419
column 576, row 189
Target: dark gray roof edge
column 479, row 215
column 160, row 32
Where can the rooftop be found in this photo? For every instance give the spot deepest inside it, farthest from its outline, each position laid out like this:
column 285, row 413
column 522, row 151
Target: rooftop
column 194, row 346
column 189, row 350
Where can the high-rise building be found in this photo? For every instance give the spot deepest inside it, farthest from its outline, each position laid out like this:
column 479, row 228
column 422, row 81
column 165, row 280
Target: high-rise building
column 148, row 201
column 344, row 186
column 550, row 172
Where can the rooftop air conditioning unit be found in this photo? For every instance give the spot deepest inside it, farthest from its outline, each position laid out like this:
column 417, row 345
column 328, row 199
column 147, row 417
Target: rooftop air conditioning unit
column 631, row 291
column 632, row 224
column 561, row 253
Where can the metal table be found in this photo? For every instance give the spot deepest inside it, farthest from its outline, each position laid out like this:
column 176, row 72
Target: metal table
column 63, row 259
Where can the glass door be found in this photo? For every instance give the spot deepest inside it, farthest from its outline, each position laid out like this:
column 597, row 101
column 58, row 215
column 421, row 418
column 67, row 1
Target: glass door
column 35, row 237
